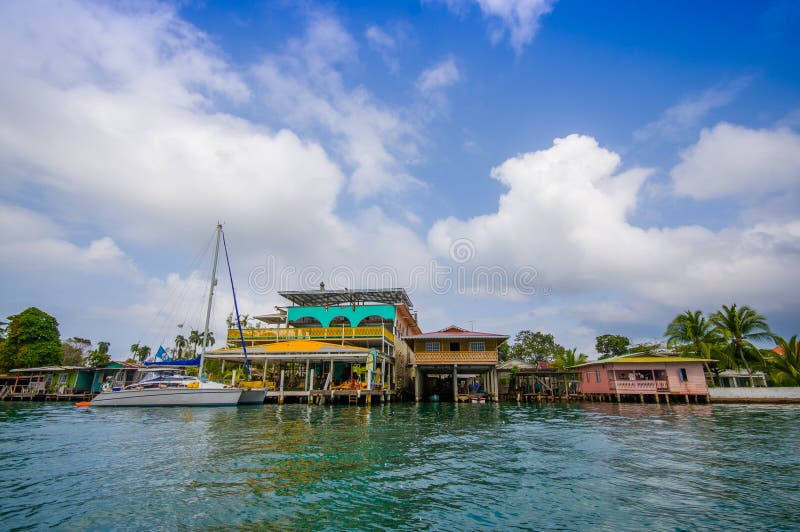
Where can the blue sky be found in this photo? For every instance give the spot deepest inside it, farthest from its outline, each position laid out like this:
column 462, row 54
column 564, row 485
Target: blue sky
column 606, row 166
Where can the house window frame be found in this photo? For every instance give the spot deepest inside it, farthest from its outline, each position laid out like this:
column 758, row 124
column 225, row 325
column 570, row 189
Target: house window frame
column 433, row 347
column 597, row 375
column 62, row 379
column 683, row 375
column 481, row 346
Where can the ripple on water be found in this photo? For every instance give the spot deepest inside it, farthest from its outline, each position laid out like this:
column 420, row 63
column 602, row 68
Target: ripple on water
column 406, row 466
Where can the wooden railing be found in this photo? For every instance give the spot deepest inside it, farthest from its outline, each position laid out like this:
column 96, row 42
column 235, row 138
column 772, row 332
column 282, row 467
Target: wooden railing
column 455, row 357
column 624, row 385
column 309, row 333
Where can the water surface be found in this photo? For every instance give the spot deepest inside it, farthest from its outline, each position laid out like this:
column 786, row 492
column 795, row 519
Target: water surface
column 401, row 466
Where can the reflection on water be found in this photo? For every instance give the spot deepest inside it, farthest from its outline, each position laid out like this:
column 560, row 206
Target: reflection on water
column 440, row 466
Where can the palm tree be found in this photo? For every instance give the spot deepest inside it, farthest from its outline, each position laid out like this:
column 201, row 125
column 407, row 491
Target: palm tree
column 143, row 353
column 194, row 339
column 208, row 337
column 135, row 350
column 785, row 368
column 740, row 327
column 180, row 344
column 566, row 358
column 692, row 329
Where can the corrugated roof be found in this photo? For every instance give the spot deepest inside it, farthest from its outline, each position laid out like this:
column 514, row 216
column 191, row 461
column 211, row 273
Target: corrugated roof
column 306, row 298
column 292, row 346
column 642, row 359
column 455, row 332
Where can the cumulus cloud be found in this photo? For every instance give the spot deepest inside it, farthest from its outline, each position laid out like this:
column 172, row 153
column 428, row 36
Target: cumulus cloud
column 687, row 114
column 567, row 213
column 439, row 76
column 731, row 160
column 30, row 242
column 304, row 87
column 518, row 20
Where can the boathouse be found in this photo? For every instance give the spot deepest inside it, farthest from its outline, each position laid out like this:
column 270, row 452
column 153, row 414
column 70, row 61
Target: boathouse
column 455, row 364
column 644, row 378
column 330, row 341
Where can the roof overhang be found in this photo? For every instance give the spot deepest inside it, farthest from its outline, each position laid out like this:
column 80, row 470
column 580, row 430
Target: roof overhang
column 390, row 296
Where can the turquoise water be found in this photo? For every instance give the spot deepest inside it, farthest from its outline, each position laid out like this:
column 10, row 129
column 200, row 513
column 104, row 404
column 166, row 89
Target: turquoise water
column 401, row 466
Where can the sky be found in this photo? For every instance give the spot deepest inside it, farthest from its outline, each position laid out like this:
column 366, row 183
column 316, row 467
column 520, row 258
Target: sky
column 574, row 167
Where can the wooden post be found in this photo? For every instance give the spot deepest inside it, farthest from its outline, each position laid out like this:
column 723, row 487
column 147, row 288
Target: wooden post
column 308, row 362
column 687, row 398
column 641, row 398
column 310, row 385
column 280, row 395
column 455, row 383
column 666, row 398
column 417, row 384
column 264, row 375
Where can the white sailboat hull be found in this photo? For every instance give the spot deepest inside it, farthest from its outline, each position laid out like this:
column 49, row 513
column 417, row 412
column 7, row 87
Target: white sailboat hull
column 170, row 397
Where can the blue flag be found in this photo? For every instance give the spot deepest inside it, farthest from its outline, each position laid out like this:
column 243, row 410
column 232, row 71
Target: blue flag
column 162, row 354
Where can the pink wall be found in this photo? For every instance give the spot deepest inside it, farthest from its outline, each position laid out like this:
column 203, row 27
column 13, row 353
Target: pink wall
column 695, row 383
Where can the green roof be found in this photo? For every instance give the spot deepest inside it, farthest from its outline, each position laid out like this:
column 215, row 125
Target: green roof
column 636, row 358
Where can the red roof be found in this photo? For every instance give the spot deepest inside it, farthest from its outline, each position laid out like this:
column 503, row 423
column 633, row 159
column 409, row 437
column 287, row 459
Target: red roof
column 455, row 332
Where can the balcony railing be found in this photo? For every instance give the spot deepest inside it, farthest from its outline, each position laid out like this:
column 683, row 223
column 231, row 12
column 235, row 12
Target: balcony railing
column 455, row 357
column 257, row 336
column 625, row 386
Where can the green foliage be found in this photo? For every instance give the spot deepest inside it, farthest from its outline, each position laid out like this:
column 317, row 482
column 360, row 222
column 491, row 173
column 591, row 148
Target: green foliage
column 534, row 347
column 504, row 352
column 645, row 348
column 568, row 358
column 180, row 344
column 73, row 351
column 611, row 345
column 785, row 369
column 195, row 338
column 32, row 339
column 96, row 358
column 739, row 328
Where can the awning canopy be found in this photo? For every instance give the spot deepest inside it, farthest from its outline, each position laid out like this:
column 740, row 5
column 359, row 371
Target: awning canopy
column 292, row 350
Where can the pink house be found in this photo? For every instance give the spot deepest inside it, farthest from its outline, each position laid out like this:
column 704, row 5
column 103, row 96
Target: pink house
column 642, row 377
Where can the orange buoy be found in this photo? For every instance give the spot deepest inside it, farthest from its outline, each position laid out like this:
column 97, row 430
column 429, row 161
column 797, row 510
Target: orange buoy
column 83, row 404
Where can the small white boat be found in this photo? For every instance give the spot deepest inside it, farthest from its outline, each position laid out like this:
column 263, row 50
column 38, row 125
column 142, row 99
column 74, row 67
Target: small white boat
column 161, row 389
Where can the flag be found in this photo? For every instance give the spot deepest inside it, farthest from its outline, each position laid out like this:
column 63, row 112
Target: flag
column 162, row 354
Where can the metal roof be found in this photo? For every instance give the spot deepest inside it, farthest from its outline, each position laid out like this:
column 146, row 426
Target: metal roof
column 308, row 298
column 454, row 332
column 639, row 359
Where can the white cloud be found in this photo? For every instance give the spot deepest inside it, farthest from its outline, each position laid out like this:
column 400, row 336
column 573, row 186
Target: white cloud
column 517, row 19
column 688, row 113
column 304, row 87
column 30, row 242
column 566, row 213
column 731, row 160
column 439, row 76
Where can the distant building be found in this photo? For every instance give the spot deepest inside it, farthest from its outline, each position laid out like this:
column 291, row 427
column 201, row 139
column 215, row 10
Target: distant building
column 641, row 377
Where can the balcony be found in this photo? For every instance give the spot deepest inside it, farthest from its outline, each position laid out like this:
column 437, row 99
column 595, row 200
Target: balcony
column 455, row 357
column 636, row 386
column 329, row 334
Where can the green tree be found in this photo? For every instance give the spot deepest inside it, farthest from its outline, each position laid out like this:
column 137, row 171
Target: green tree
column 142, row 353
column 180, row 344
column 785, row 368
column 568, row 358
column 739, row 328
column 534, row 347
column 195, row 338
column 611, row 345
column 692, row 329
column 99, row 356
column 209, row 338
column 32, row 339
column 503, row 352
column 73, row 351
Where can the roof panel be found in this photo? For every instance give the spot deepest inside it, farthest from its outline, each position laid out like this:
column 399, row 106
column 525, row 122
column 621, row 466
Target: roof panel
column 390, row 296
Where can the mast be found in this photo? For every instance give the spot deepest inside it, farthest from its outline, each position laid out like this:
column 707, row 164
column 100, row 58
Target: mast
column 210, row 299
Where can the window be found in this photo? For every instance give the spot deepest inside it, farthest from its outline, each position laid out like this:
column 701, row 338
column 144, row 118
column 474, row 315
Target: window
column 682, row 375
column 433, row 346
column 597, row 375
column 477, row 346
column 454, row 346
column 62, row 378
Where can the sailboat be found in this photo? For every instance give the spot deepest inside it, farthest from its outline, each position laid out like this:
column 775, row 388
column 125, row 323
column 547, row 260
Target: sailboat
column 167, row 388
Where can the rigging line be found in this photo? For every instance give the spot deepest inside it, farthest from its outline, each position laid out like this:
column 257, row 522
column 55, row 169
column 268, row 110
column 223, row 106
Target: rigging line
column 236, row 308
column 173, row 291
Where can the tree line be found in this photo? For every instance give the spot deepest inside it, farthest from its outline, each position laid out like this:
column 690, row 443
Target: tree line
column 31, row 339
column 727, row 338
